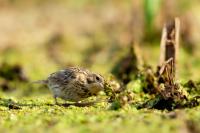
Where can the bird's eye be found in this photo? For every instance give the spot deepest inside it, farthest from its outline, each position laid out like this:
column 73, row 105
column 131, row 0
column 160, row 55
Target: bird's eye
column 97, row 78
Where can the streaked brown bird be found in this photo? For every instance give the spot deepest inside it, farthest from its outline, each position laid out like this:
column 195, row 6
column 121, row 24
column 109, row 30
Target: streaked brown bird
column 74, row 84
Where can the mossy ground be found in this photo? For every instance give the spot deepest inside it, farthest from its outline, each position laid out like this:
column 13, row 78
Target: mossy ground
column 38, row 115
column 31, row 108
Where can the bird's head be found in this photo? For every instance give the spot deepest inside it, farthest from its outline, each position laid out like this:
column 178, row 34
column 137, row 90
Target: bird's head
column 95, row 83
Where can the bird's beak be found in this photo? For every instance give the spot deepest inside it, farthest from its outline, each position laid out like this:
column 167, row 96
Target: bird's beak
column 102, row 86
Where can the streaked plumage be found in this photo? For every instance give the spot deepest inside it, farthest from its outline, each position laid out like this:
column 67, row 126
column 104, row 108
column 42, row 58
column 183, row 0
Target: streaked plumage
column 74, row 84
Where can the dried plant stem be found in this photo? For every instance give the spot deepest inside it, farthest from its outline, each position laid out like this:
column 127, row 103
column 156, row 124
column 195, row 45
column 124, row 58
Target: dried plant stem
column 170, row 43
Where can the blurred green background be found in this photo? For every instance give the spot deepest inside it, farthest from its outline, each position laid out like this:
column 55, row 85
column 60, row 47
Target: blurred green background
column 44, row 36
column 38, row 37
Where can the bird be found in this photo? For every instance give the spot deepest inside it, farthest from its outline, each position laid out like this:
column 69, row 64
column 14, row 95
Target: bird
column 74, row 84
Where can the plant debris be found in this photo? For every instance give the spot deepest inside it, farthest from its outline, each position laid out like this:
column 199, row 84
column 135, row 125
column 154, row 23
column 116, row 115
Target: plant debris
column 192, row 87
column 9, row 103
column 167, row 93
column 164, row 91
column 161, row 91
column 127, row 66
column 112, row 88
column 12, row 72
column 118, row 95
column 14, row 106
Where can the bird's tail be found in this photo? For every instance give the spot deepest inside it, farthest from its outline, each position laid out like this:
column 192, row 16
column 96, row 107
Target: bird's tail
column 40, row 82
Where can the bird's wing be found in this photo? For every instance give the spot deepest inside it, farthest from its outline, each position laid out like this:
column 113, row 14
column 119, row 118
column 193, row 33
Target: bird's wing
column 62, row 76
